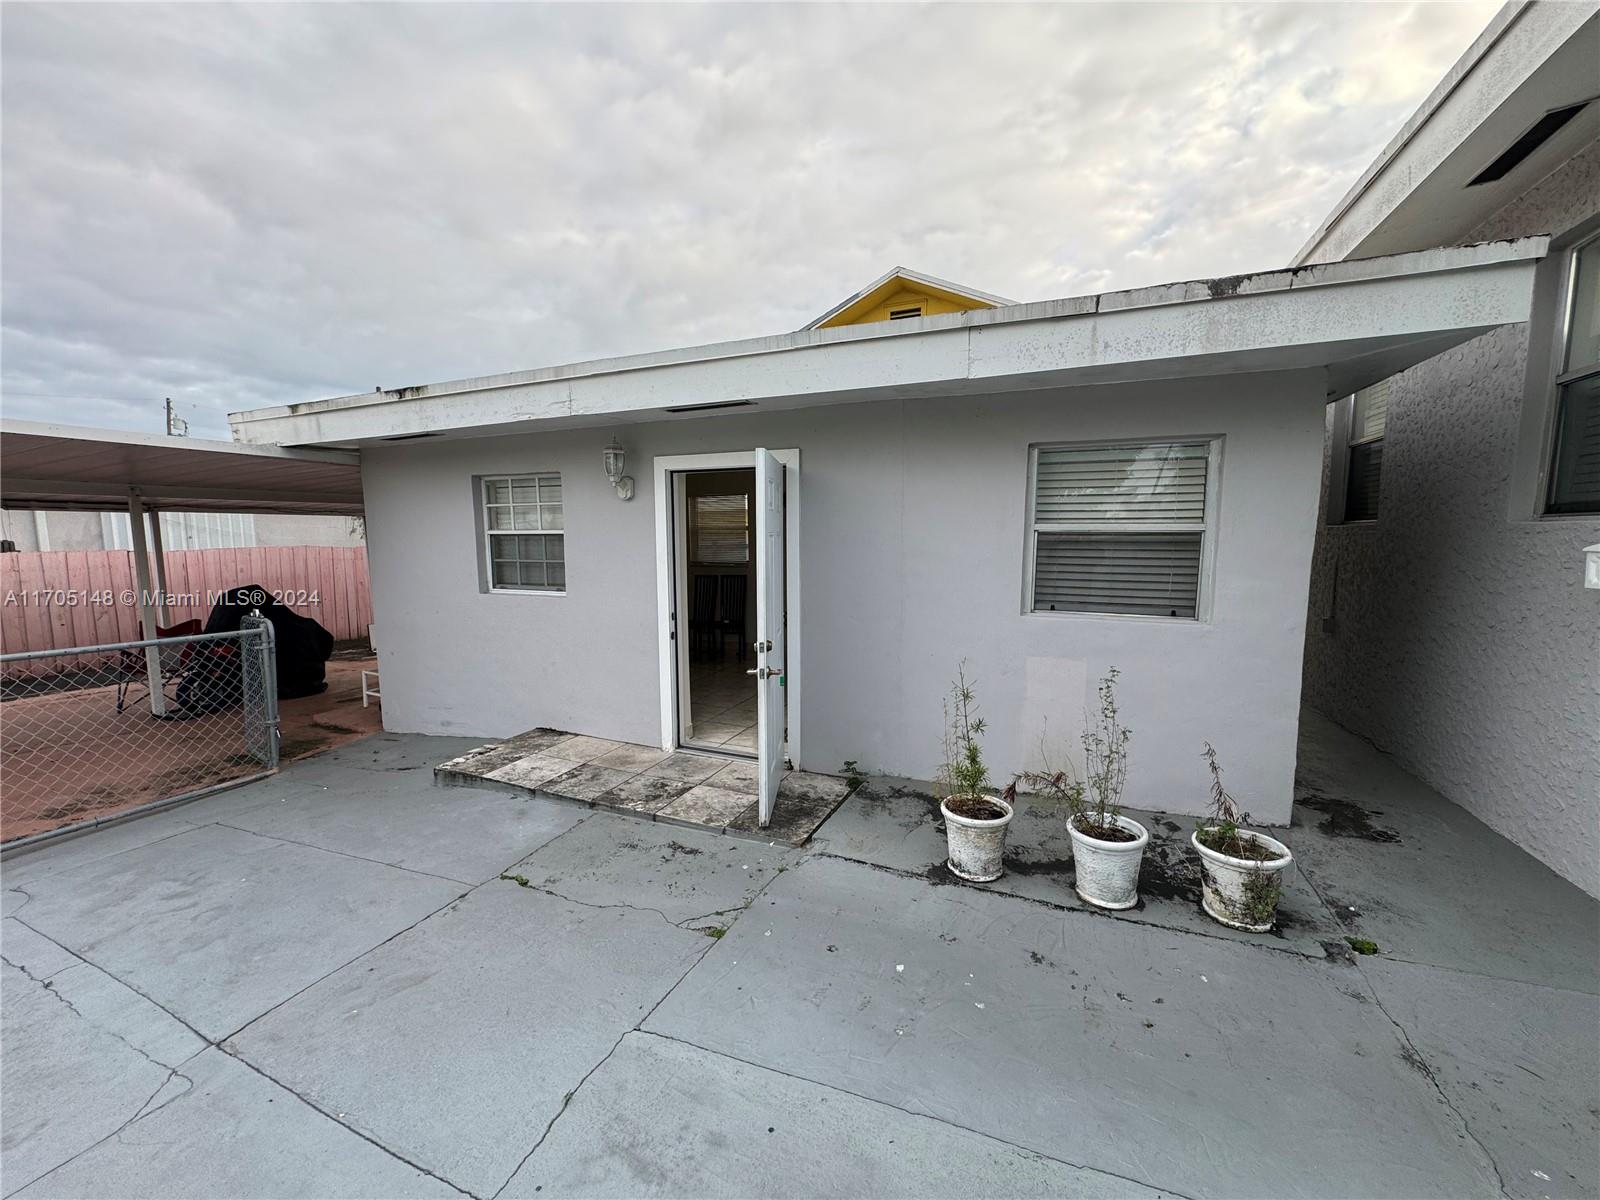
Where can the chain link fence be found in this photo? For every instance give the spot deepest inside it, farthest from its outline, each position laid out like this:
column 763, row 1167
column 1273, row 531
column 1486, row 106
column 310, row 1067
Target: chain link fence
column 94, row 732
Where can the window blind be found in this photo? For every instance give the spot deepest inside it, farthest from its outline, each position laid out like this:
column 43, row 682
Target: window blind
column 1119, row 529
column 1575, row 486
column 1370, row 418
column 1364, row 481
column 721, row 529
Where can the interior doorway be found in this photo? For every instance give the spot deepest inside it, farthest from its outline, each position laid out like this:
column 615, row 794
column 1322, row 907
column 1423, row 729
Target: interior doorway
column 716, row 574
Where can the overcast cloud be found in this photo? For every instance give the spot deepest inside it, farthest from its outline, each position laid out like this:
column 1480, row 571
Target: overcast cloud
column 240, row 206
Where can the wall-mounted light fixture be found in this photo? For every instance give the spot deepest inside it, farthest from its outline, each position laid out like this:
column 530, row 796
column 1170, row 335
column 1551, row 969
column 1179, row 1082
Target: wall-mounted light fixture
column 616, row 458
column 1591, row 566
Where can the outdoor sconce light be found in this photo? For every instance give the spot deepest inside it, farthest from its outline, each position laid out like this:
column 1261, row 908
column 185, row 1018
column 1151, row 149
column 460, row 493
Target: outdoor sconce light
column 1591, row 566
column 616, row 457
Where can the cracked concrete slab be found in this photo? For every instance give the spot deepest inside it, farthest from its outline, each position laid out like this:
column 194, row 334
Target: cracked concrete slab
column 455, row 1044
column 679, row 872
column 68, row 1082
column 213, row 924
column 233, row 1133
column 661, row 1118
column 1520, row 1063
column 1401, row 865
column 462, row 833
column 119, row 1010
column 1196, row 1064
column 35, row 955
column 893, row 823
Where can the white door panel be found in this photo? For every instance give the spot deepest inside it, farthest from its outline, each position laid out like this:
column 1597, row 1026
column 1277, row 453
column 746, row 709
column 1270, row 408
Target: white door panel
column 770, row 647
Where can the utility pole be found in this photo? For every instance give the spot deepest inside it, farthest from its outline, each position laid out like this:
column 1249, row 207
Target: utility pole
column 176, row 425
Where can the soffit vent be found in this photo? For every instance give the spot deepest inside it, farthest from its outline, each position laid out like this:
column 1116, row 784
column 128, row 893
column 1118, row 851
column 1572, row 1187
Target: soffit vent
column 1536, row 135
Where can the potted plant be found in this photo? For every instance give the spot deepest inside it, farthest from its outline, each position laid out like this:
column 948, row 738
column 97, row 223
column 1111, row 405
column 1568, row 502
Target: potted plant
column 1241, row 870
column 1107, row 847
column 974, row 823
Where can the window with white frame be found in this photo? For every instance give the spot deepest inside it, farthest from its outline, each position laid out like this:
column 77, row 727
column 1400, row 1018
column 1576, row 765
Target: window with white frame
column 1369, row 421
column 1119, row 530
column 1575, row 457
column 524, row 543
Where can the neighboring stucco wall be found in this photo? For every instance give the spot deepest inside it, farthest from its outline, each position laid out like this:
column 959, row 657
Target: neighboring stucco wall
column 285, row 529
column 1463, row 642
column 63, row 530
column 912, row 540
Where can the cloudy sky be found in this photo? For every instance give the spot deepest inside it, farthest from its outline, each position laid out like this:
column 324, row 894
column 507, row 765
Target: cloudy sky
column 239, row 206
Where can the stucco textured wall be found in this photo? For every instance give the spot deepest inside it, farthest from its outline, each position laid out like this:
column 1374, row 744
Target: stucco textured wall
column 912, row 539
column 1462, row 641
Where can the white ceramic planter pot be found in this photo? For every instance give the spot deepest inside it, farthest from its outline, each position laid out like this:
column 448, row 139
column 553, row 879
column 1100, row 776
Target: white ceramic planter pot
column 1107, row 873
column 1242, row 893
column 977, row 848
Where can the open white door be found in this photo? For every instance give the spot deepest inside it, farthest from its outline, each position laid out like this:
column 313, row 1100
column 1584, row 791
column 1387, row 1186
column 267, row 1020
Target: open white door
column 771, row 715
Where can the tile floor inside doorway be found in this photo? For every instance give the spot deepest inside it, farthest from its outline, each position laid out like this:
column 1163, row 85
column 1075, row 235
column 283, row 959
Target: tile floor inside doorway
column 722, row 705
column 707, row 791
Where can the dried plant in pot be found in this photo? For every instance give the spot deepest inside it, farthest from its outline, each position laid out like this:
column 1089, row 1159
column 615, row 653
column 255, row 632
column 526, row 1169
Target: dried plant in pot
column 1241, row 869
column 1107, row 847
column 975, row 821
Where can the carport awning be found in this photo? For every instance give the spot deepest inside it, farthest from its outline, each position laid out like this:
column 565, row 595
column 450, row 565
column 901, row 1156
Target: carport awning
column 47, row 466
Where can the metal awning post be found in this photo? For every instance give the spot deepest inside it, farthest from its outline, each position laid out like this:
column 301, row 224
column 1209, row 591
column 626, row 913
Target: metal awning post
column 158, row 555
column 147, row 616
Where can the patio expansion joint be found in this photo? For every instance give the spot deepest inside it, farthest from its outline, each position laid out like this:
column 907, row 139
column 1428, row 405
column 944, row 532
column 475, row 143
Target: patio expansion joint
column 637, row 1027
column 925, row 1116
column 315, row 1107
column 1073, row 910
column 220, row 1043
column 1413, row 1054
column 274, row 837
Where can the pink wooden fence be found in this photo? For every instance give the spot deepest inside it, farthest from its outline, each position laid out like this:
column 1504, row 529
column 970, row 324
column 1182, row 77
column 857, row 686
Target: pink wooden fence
column 56, row 599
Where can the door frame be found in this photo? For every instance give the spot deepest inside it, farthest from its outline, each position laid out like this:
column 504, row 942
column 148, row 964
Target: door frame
column 666, row 582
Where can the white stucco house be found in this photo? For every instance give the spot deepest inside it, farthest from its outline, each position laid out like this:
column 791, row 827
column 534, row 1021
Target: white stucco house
column 925, row 474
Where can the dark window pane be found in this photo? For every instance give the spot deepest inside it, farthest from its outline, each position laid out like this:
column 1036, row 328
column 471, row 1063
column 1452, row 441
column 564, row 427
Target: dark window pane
column 1575, row 479
column 1361, row 488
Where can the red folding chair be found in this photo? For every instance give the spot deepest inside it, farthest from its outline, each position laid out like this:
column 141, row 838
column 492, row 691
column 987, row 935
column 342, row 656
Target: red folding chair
column 130, row 667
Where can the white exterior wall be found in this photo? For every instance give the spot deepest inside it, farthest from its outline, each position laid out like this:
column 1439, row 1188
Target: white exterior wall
column 1464, row 643
column 911, row 557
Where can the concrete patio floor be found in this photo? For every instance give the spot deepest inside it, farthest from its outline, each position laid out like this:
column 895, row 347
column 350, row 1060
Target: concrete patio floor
column 347, row 981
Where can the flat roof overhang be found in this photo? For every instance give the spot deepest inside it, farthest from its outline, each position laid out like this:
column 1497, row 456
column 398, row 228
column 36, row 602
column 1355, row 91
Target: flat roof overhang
column 66, row 467
column 1358, row 321
column 1532, row 59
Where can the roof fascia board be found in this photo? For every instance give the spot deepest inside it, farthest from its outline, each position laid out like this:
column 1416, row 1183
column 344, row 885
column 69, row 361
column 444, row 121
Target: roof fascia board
column 1143, row 330
column 1418, row 263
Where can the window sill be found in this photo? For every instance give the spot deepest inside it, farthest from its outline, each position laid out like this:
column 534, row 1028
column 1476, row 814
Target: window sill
column 494, row 591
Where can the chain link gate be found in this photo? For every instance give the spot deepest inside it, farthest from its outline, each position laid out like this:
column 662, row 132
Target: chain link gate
column 92, row 733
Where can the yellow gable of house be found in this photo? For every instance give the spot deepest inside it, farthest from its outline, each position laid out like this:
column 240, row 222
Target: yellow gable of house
column 902, row 295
